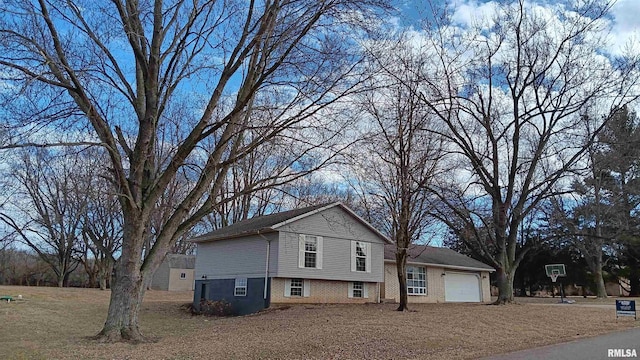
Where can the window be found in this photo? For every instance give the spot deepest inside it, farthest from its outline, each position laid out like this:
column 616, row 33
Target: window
column 310, row 252
column 360, row 256
column 241, row 287
column 358, row 289
column 297, row 286
column 416, row 280
column 183, row 275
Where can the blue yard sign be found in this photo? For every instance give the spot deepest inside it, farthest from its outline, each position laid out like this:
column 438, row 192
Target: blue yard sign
column 626, row 308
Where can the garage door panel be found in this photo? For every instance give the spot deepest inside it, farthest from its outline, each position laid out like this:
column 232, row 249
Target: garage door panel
column 461, row 287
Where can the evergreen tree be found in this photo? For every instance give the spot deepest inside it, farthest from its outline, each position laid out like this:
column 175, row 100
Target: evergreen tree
column 621, row 159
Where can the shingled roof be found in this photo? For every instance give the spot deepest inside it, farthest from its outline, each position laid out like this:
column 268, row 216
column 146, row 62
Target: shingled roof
column 179, row 261
column 269, row 223
column 444, row 257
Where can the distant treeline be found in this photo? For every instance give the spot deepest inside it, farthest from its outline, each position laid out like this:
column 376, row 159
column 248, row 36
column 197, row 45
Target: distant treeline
column 23, row 267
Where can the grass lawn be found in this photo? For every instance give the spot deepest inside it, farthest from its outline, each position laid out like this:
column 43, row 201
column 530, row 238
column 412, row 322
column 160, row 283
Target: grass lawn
column 579, row 300
column 51, row 323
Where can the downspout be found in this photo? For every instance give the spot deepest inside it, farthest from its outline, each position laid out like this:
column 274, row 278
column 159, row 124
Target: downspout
column 266, row 266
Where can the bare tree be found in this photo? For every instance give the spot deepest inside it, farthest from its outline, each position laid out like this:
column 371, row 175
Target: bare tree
column 20, row 266
column 511, row 92
column 101, row 232
column 47, row 210
column 123, row 68
column 398, row 158
column 266, row 162
column 7, row 237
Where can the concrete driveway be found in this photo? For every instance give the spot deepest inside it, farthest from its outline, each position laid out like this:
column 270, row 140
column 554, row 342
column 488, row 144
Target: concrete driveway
column 623, row 344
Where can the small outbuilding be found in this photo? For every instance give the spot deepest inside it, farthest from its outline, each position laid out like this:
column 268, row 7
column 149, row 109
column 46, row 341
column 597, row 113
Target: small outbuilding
column 176, row 273
column 436, row 275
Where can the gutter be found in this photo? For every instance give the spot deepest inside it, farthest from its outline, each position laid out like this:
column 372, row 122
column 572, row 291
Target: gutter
column 454, row 267
column 206, row 238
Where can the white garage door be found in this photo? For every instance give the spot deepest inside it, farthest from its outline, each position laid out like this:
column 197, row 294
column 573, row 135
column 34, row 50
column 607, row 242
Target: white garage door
column 460, row 287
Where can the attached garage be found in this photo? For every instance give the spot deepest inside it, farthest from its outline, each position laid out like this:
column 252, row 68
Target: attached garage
column 462, row 287
column 436, row 275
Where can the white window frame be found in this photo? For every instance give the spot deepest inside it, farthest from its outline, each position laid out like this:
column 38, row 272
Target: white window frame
column 366, row 247
column 296, row 284
column 360, row 286
column 240, row 288
column 417, row 286
column 302, row 250
column 306, row 287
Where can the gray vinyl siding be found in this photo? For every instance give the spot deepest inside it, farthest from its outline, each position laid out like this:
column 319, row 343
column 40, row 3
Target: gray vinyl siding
column 333, row 222
column 160, row 279
column 338, row 228
column 336, row 260
column 241, row 257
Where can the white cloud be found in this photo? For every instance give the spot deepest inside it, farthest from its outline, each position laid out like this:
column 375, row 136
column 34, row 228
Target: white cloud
column 626, row 27
column 468, row 13
column 626, row 14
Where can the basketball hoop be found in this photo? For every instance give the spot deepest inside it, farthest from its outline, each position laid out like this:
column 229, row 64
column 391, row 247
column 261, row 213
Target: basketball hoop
column 554, row 271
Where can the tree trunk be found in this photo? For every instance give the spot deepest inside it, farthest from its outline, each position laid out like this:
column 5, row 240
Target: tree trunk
column 401, row 264
column 634, row 279
column 127, row 293
column 103, row 283
column 601, row 290
column 594, row 263
column 127, row 288
column 521, row 282
column 105, row 268
column 92, row 279
column 505, row 287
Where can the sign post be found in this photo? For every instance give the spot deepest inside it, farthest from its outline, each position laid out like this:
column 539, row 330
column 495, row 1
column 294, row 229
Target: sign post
column 626, row 308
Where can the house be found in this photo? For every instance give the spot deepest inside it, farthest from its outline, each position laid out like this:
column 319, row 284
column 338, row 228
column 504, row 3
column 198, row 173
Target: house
column 436, row 275
column 175, row 273
column 317, row 254
column 619, row 287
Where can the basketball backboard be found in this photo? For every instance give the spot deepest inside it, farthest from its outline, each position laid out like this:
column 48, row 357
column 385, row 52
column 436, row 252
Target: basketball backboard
column 555, row 269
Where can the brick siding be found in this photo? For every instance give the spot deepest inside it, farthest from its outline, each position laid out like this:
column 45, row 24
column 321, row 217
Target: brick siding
column 322, row 292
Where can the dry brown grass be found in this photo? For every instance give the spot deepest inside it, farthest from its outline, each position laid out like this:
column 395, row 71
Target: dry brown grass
column 579, row 300
column 56, row 323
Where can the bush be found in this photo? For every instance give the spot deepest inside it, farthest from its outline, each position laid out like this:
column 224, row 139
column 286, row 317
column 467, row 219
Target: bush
column 215, row 308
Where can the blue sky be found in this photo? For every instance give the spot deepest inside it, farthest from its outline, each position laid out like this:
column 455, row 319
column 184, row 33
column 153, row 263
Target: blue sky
column 624, row 14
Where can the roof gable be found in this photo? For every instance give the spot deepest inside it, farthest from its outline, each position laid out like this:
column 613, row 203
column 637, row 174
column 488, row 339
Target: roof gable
column 272, row 222
column 430, row 255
